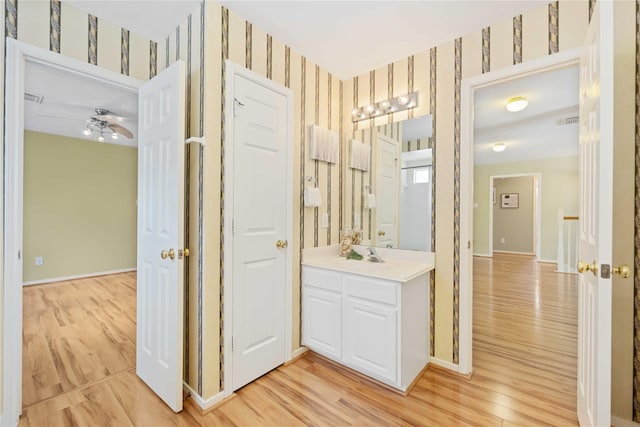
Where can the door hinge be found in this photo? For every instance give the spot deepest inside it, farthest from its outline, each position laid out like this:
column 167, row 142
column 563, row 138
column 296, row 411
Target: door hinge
column 232, row 344
column 19, row 254
column 233, row 226
column 236, row 104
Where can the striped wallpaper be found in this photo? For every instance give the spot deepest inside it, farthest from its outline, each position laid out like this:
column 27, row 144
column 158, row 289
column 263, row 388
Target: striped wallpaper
column 212, row 34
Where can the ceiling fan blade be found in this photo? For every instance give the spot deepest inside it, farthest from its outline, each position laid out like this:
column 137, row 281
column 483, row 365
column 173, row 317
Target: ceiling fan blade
column 121, row 130
column 110, row 118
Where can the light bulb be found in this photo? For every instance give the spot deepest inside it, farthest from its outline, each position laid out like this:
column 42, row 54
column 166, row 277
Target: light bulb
column 499, row 147
column 101, row 138
column 370, row 109
column 384, row 104
column 517, row 103
column 87, row 131
column 114, row 135
column 354, row 112
column 403, row 100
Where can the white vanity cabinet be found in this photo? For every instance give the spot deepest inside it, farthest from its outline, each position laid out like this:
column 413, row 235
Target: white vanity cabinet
column 376, row 326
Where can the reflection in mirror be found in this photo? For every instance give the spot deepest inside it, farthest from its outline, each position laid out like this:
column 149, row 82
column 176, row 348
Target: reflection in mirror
column 392, row 202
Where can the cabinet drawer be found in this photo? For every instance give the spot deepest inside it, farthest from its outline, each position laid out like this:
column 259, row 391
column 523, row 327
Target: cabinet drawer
column 321, row 278
column 372, row 289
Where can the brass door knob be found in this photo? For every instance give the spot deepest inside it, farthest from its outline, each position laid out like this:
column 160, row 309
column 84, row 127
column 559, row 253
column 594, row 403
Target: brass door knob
column 381, row 233
column 623, row 271
column 583, row 266
column 282, row 244
column 171, row 253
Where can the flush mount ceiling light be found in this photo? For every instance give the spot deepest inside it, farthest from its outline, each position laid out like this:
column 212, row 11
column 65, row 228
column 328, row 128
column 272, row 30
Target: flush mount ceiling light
column 392, row 105
column 517, row 103
column 499, row 147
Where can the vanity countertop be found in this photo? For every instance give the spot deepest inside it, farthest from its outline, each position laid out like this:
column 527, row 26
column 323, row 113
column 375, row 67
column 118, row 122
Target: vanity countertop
column 399, row 266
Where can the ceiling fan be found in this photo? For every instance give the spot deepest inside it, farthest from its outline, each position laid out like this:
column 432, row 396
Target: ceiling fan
column 104, row 121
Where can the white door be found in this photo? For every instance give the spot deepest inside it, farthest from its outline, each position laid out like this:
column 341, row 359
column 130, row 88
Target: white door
column 160, row 234
column 596, row 173
column 259, row 224
column 387, row 177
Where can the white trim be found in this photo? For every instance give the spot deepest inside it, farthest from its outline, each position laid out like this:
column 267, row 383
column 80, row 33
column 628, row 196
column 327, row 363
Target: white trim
column 514, row 253
column 299, row 352
column 79, row 276
column 483, row 255
column 232, row 70
column 468, row 88
column 202, row 403
column 446, row 365
column 548, row 261
column 537, row 210
column 17, row 55
column 621, row 422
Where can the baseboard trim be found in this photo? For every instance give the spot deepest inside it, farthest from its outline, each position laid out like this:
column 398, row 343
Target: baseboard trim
column 204, row 406
column 449, row 367
column 483, row 255
column 621, row 422
column 548, row 261
column 297, row 355
column 513, row 252
column 79, row 276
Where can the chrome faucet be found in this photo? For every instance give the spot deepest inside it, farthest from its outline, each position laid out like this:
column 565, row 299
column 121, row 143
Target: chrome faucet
column 373, row 255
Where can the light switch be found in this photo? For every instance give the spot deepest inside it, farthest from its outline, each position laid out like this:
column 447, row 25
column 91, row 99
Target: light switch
column 39, row 260
column 325, row 220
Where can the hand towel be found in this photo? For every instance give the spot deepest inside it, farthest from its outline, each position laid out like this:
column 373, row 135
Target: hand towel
column 371, row 201
column 312, row 197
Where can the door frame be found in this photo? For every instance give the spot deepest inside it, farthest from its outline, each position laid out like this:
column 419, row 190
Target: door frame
column 468, row 87
column 17, row 55
column 537, row 209
column 231, row 70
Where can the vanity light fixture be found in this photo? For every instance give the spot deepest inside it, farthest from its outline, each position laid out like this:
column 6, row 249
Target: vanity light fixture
column 517, row 103
column 499, row 147
column 392, row 105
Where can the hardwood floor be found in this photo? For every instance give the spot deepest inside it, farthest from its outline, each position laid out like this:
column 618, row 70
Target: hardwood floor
column 75, row 333
column 524, row 359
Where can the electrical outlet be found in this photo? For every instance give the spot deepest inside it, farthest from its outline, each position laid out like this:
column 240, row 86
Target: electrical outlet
column 39, row 260
column 503, row 240
column 325, row 220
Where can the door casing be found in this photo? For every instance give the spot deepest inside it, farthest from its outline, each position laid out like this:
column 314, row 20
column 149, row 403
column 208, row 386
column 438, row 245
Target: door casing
column 17, row 55
column 231, row 70
column 468, row 88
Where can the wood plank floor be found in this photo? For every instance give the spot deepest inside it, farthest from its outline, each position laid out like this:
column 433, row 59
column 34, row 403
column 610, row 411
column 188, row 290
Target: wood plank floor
column 524, row 360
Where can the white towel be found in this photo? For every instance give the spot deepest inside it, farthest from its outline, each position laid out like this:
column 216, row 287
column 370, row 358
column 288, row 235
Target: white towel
column 371, row 201
column 312, row 197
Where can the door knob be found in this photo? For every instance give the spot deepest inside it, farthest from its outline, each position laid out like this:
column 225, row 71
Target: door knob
column 623, row 271
column 171, row 253
column 583, row 266
column 282, row 244
column 381, row 233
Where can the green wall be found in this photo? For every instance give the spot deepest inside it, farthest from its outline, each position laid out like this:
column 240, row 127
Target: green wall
column 514, row 225
column 559, row 190
column 79, row 206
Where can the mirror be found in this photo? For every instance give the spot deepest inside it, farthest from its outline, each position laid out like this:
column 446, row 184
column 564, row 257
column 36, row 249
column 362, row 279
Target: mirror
column 390, row 199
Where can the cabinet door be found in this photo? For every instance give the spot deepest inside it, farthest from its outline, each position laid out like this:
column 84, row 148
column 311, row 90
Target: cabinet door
column 322, row 321
column 370, row 339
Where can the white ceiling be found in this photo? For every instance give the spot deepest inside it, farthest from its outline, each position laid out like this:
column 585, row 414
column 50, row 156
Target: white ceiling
column 535, row 132
column 349, row 38
column 70, row 99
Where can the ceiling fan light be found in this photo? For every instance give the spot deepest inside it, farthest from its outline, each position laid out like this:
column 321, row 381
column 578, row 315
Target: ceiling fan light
column 87, row 131
column 114, row 135
column 517, row 103
column 101, row 138
column 499, row 147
